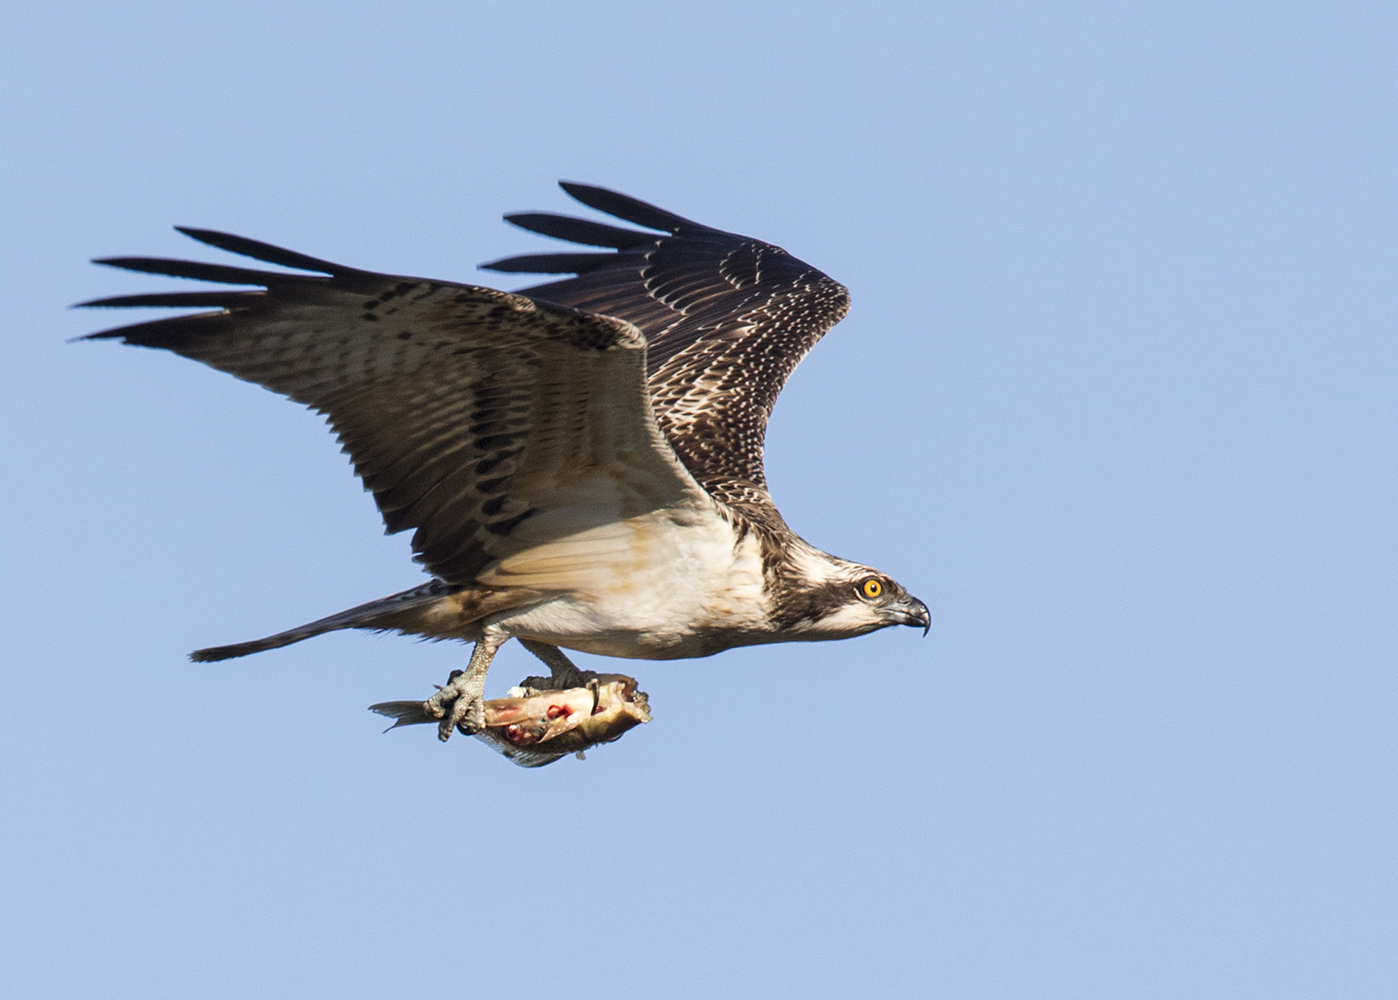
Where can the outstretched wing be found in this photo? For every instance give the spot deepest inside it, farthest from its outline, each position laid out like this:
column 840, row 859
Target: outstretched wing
column 727, row 319
column 486, row 421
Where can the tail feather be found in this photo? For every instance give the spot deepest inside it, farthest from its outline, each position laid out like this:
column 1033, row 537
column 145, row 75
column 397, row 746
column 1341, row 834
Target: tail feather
column 258, row 645
column 378, row 614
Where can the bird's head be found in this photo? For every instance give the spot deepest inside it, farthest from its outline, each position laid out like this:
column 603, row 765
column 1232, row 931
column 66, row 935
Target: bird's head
column 832, row 598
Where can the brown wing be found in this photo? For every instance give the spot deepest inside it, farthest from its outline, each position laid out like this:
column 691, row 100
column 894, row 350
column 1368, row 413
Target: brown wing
column 476, row 417
column 727, row 319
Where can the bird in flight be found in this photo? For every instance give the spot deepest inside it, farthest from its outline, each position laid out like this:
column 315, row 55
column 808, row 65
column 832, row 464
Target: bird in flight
column 580, row 462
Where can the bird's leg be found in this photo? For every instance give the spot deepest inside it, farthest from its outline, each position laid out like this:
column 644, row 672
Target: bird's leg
column 462, row 702
column 565, row 673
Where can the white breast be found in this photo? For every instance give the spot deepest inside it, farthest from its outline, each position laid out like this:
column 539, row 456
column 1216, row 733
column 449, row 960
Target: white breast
column 667, row 584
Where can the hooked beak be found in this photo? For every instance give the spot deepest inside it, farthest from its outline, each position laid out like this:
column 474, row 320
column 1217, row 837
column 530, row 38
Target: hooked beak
column 914, row 612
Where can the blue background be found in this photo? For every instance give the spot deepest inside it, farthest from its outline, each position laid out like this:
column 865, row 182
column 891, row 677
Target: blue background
column 1116, row 400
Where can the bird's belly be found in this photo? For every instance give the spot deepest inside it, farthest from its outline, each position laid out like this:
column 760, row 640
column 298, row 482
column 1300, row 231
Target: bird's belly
column 629, row 635
column 680, row 588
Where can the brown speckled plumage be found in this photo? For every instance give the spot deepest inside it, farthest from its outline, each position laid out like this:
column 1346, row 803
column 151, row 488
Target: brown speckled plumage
column 580, row 462
column 445, row 396
column 726, row 319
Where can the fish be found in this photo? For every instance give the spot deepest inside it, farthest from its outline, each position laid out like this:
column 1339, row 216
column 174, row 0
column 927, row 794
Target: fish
column 534, row 726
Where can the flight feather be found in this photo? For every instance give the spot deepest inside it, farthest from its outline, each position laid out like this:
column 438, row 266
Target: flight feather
column 727, row 318
column 483, row 421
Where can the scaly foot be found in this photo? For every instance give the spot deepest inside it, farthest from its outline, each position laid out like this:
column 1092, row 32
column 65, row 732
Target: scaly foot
column 460, row 704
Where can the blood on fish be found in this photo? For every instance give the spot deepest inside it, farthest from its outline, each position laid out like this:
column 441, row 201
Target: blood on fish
column 520, row 736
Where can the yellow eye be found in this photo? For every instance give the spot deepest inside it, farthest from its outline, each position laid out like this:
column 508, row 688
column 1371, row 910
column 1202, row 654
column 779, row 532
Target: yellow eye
column 871, row 588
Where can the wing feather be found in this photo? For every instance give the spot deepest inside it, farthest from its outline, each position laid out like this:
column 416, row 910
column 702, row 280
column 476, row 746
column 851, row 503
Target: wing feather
column 486, row 422
column 727, row 319
column 565, row 227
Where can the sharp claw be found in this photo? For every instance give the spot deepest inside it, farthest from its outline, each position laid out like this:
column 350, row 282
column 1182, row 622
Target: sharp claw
column 454, row 709
column 465, row 714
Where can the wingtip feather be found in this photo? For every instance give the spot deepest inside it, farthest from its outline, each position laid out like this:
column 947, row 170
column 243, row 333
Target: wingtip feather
column 550, row 263
column 623, row 206
column 257, row 250
column 565, row 227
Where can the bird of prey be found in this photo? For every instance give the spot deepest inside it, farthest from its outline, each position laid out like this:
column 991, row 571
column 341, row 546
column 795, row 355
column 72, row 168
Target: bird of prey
column 580, row 462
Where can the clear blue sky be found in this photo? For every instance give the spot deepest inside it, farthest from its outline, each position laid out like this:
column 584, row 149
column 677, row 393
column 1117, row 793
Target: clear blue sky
column 1116, row 400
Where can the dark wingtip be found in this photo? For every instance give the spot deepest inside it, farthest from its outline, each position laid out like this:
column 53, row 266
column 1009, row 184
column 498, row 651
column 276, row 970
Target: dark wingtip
column 549, row 263
column 564, row 227
column 171, row 300
column 199, row 271
column 104, row 335
column 625, row 207
column 577, row 189
column 258, row 250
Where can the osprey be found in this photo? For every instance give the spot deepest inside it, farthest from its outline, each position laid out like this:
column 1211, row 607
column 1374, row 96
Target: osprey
column 580, row 461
